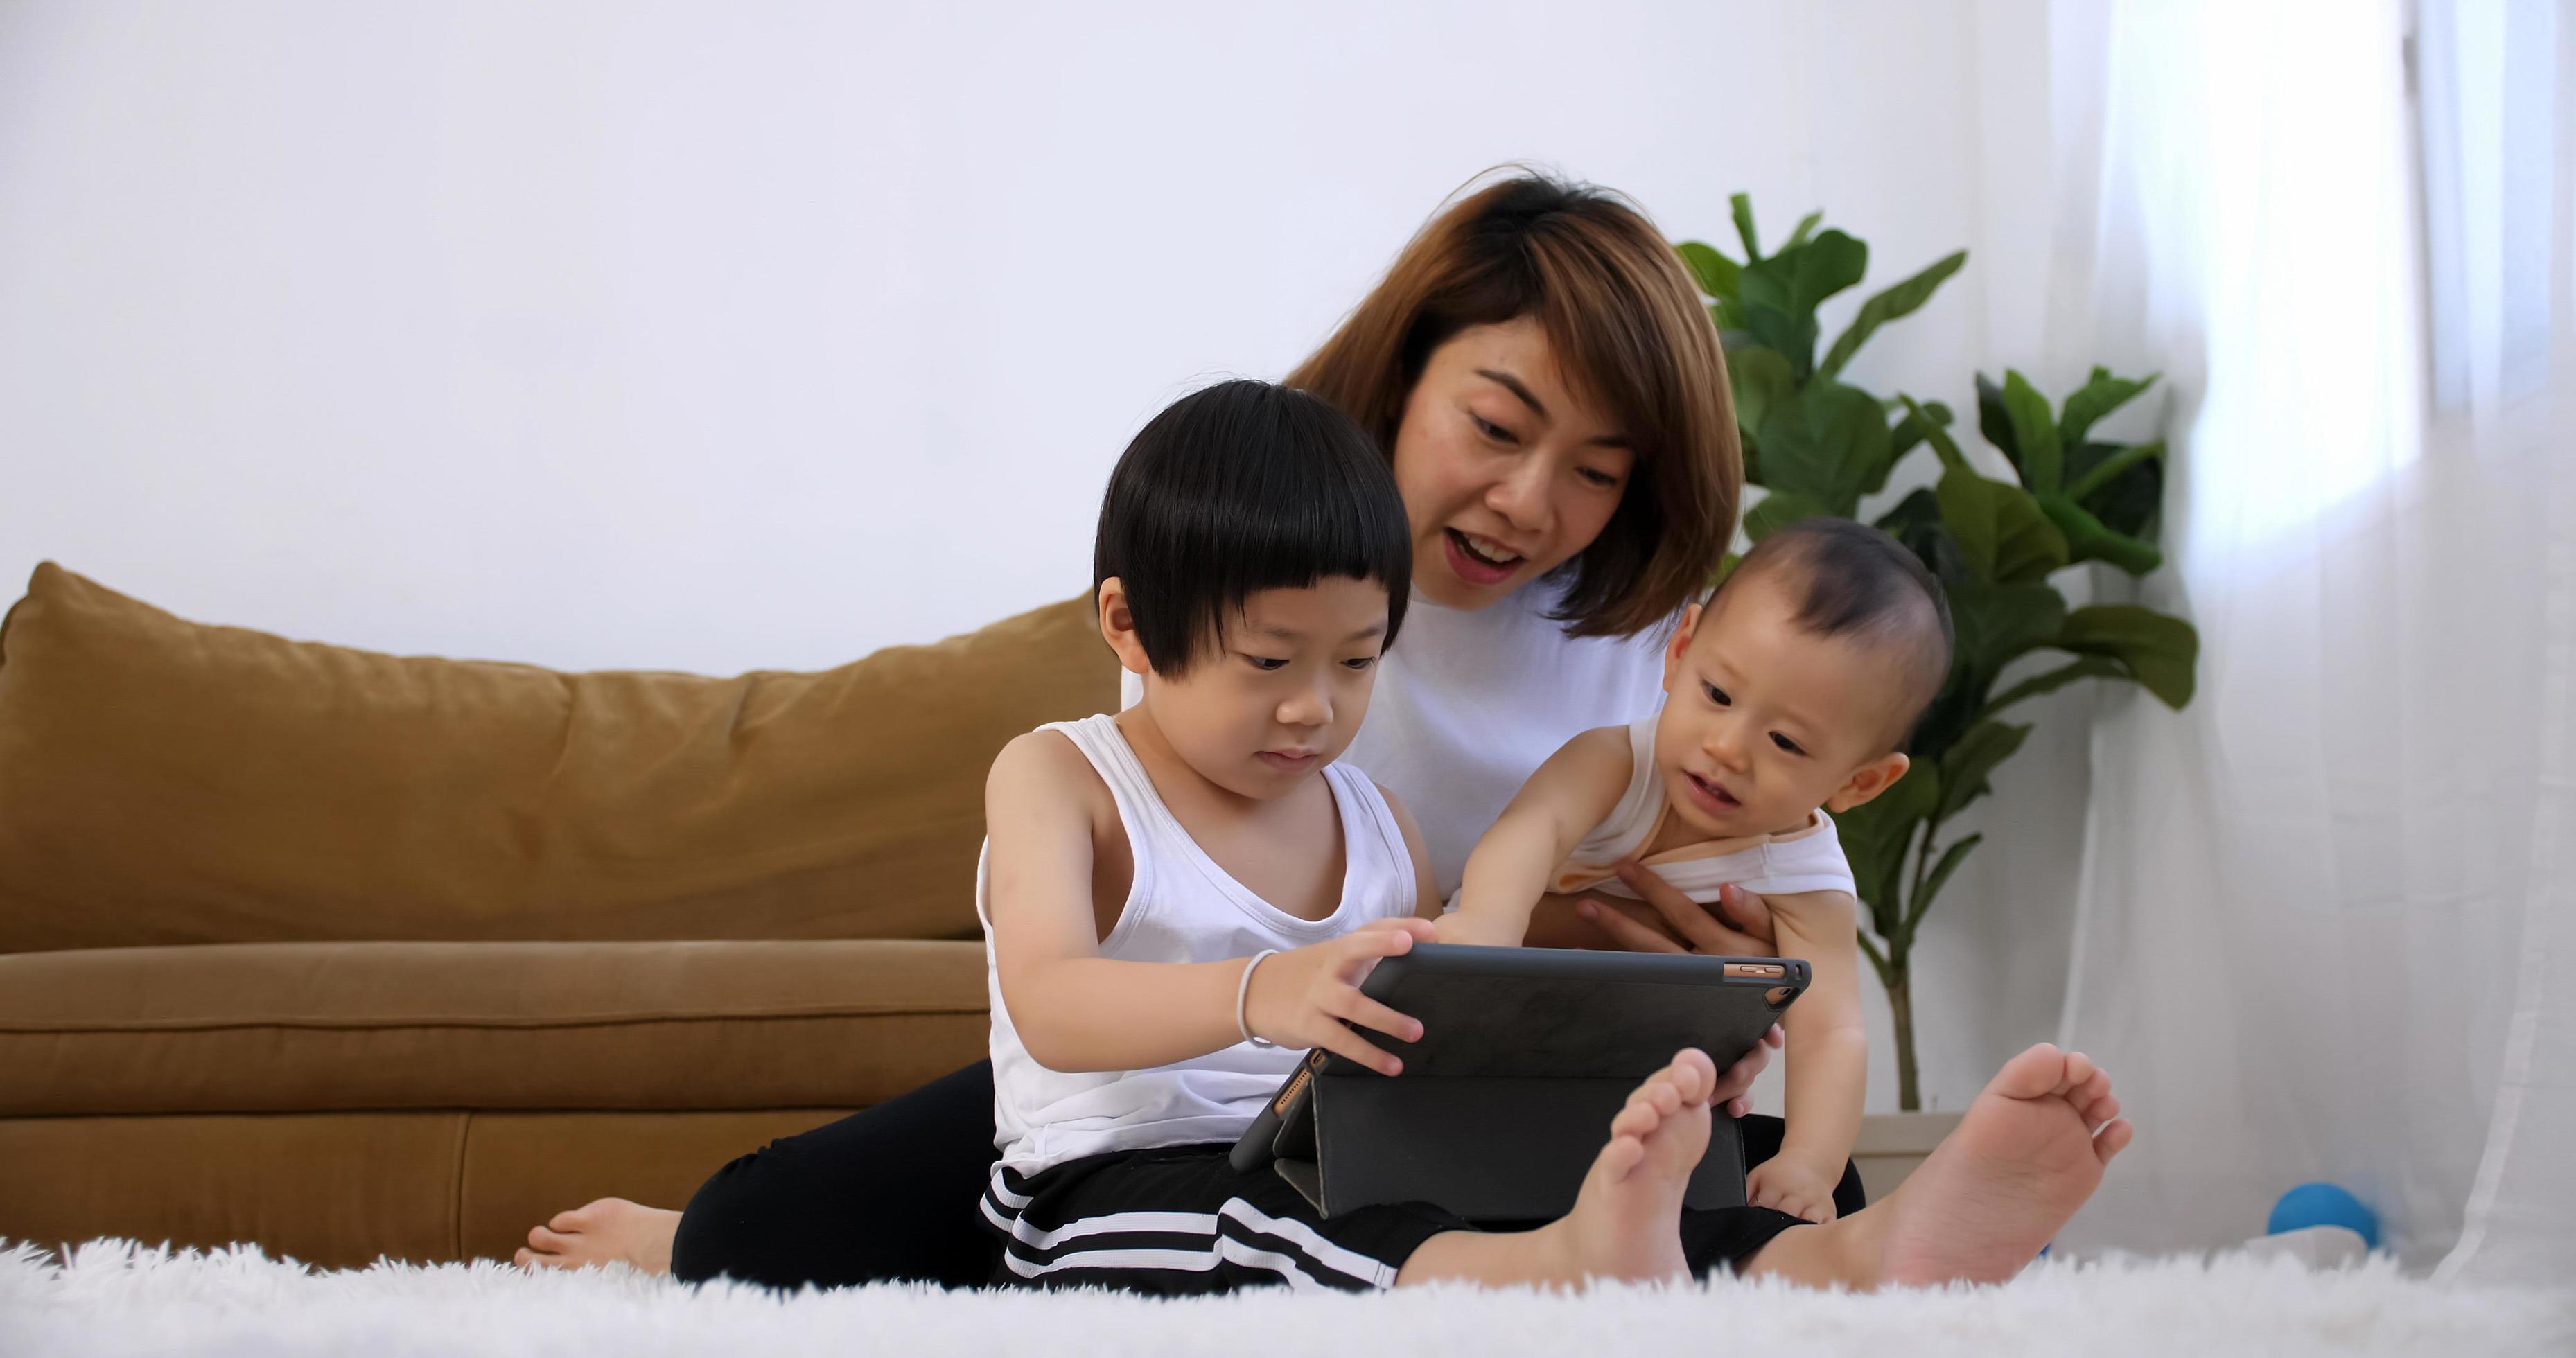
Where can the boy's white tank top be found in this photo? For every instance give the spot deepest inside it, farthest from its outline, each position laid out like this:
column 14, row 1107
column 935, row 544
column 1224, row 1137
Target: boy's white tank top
column 1181, row 907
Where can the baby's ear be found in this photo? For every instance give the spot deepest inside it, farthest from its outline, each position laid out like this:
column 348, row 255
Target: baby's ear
column 1869, row 780
column 1680, row 643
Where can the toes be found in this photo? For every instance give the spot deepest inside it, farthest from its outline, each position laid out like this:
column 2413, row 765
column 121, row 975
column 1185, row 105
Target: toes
column 1622, row 1155
column 570, row 1221
column 523, row 1259
column 2113, row 1139
column 2104, row 1109
column 1637, row 1119
column 1700, row 1073
column 2031, row 1075
column 545, row 1241
column 2079, row 1069
column 2091, row 1093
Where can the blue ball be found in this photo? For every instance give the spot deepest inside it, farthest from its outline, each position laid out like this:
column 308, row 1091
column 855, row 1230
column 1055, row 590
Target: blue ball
column 2323, row 1205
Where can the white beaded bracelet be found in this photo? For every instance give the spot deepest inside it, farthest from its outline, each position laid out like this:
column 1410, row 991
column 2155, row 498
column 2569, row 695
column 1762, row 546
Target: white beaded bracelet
column 1242, row 992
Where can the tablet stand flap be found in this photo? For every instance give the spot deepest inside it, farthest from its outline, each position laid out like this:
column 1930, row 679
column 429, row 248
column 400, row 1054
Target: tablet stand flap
column 1489, row 1149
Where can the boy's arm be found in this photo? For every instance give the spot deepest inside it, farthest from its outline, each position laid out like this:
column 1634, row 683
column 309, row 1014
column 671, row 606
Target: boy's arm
column 1516, row 860
column 1828, row 1056
column 1078, row 1011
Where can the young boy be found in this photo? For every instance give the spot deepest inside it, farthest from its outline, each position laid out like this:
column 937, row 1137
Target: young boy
column 1788, row 696
column 1179, row 899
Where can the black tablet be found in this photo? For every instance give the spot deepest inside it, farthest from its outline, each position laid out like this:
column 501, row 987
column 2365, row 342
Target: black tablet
column 1552, row 1014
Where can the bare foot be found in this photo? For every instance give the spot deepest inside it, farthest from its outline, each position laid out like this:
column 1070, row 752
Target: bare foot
column 1626, row 1220
column 609, row 1231
column 2029, row 1152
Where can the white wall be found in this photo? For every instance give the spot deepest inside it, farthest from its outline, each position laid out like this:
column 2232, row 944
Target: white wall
column 718, row 337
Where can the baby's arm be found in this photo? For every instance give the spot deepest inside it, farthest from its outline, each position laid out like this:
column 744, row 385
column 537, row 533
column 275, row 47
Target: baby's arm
column 1828, row 1056
column 1517, row 859
column 1079, row 1011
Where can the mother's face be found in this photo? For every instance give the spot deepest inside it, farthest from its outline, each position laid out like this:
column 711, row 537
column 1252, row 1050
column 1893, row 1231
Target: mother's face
column 1505, row 475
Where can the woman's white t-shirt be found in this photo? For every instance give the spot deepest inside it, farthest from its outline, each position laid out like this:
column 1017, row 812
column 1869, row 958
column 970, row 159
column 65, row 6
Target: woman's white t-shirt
column 1468, row 704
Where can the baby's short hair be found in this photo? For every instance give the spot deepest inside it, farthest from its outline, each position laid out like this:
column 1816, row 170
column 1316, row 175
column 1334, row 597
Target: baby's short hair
column 1852, row 580
column 1242, row 487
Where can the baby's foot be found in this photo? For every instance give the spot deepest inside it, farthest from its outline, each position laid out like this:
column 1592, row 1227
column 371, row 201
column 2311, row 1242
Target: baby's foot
column 609, row 1231
column 1626, row 1220
column 2029, row 1152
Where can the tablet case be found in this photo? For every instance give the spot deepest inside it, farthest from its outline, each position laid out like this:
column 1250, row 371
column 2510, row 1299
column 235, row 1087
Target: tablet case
column 1526, row 1055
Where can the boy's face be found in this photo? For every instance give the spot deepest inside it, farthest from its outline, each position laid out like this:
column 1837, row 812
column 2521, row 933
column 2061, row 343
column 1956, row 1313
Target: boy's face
column 1764, row 721
column 1280, row 692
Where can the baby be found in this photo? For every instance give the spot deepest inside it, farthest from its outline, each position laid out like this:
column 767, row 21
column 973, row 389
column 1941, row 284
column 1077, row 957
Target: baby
column 1789, row 695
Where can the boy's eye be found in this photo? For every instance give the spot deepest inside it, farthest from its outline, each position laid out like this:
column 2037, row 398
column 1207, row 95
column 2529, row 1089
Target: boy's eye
column 1718, row 695
column 1361, row 662
column 1785, row 743
column 1267, row 664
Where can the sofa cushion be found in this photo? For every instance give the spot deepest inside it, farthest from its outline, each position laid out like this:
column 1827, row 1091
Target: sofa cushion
column 292, row 1027
column 163, row 782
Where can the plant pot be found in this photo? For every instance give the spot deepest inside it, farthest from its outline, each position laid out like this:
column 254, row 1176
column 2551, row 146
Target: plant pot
column 1892, row 1144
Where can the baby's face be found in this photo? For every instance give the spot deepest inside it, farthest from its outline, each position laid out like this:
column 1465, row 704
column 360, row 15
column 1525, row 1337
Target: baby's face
column 1764, row 721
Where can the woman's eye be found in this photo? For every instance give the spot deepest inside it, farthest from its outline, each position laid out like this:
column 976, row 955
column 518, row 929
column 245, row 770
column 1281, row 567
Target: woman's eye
column 1491, row 430
column 1600, row 478
column 1266, row 664
column 1785, row 743
column 1718, row 695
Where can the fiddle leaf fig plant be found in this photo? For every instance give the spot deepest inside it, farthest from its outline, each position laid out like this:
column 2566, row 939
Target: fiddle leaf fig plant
column 1820, row 445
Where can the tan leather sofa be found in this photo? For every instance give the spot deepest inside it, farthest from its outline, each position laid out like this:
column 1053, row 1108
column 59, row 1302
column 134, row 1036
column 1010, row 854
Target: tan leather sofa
column 356, row 956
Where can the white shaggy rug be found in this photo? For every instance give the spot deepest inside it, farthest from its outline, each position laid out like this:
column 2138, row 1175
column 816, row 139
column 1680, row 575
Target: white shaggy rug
column 113, row 1298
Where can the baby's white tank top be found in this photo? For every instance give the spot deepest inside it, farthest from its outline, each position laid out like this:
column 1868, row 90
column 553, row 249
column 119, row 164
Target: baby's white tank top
column 1808, row 859
column 1181, row 907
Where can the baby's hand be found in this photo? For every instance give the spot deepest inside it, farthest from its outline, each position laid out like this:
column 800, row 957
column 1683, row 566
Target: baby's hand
column 1790, row 1187
column 1460, row 926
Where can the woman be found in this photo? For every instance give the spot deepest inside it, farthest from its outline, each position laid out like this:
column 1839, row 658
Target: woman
column 1541, row 373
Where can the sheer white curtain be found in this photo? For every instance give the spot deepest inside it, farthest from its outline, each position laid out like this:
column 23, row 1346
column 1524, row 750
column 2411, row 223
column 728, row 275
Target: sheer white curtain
column 2305, row 898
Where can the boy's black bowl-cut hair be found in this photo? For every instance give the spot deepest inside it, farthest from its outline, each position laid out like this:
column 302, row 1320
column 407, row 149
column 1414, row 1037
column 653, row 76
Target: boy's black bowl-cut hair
column 1242, row 487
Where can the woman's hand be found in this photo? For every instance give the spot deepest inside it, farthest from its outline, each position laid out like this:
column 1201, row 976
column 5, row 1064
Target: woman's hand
column 1739, row 926
column 1301, row 998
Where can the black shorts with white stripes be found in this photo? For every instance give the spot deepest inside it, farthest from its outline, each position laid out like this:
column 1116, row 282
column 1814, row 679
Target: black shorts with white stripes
column 1180, row 1221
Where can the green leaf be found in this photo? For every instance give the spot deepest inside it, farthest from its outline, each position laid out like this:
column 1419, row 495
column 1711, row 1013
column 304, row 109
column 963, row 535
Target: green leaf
column 1876, row 835
column 1777, row 297
column 2099, row 396
column 2132, row 502
column 2001, row 529
column 1994, row 422
column 1996, row 623
column 1964, row 768
column 1760, row 378
column 2159, row 650
column 2087, row 667
column 1943, row 446
column 2034, row 433
column 2101, row 474
column 1781, row 508
column 1899, row 301
column 1827, row 441
column 1931, row 888
column 1725, row 567
column 1714, row 273
column 1806, row 228
column 2088, row 540
column 1826, row 265
column 1916, row 522
column 1742, row 205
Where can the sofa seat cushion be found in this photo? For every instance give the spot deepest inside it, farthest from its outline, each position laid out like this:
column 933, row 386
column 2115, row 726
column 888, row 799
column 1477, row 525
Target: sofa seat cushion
column 296, row 1027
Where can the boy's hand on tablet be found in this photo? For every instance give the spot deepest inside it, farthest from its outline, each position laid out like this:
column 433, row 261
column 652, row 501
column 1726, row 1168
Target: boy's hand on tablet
column 1785, row 1185
column 1301, row 998
column 1733, row 1094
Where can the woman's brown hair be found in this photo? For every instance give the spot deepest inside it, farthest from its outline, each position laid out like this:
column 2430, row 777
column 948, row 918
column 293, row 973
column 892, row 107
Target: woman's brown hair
column 1626, row 324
